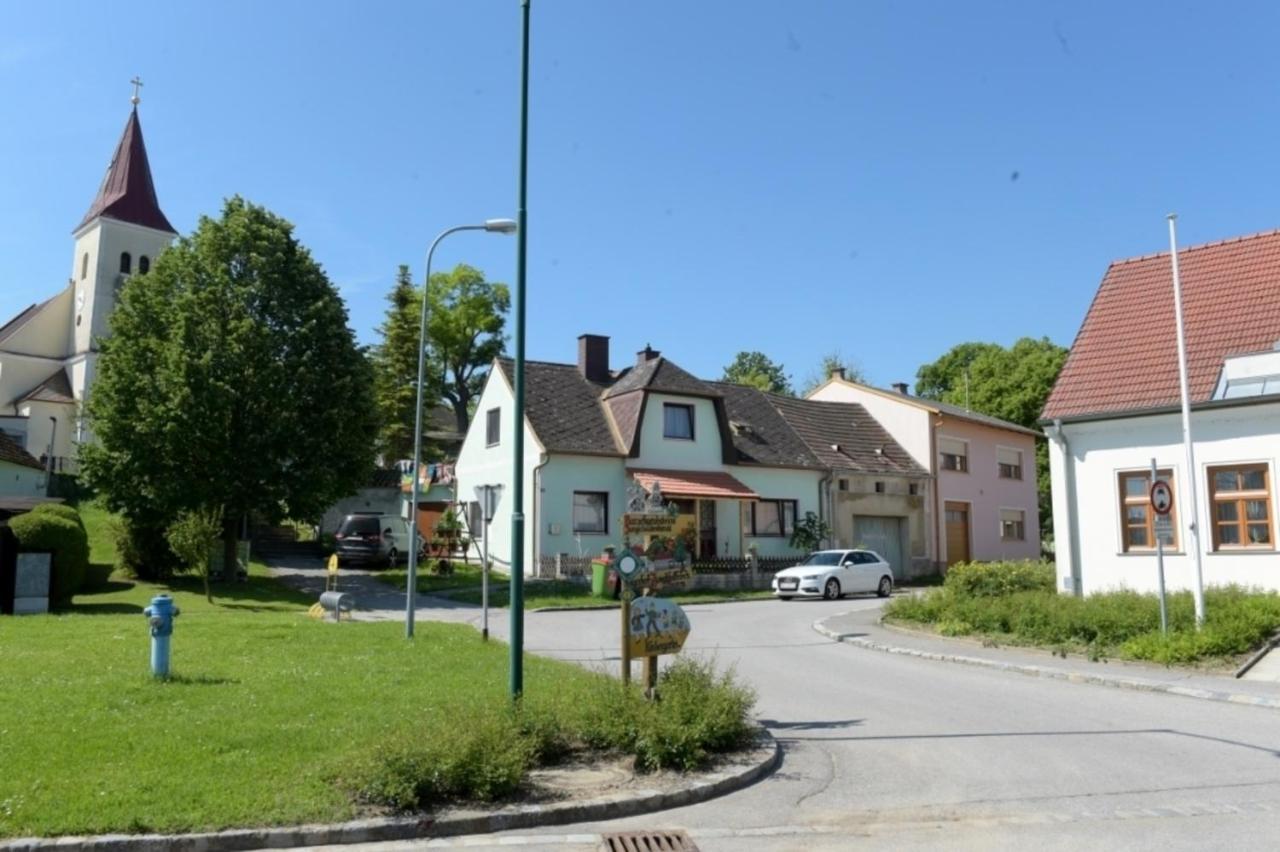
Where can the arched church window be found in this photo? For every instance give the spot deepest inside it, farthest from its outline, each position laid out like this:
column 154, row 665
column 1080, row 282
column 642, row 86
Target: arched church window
column 126, row 263
column 144, row 264
column 84, row 266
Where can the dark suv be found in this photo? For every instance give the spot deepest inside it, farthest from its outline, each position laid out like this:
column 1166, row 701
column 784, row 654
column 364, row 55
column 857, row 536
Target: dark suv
column 371, row 539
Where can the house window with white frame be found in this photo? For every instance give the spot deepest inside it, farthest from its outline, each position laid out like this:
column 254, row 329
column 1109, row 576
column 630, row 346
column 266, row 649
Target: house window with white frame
column 1137, row 520
column 1013, row 525
column 771, row 518
column 677, row 421
column 953, row 454
column 1009, row 462
column 1241, row 497
column 492, row 427
column 591, row 511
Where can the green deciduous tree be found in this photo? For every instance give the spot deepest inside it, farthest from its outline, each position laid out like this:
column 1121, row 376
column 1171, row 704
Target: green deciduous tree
column 1011, row 384
column 466, row 315
column 230, row 381
column 831, row 362
column 191, row 538
column 756, row 370
column 395, row 363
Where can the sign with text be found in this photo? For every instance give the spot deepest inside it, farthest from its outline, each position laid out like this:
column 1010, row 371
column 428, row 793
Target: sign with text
column 645, row 522
column 657, row 626
column 664, row 573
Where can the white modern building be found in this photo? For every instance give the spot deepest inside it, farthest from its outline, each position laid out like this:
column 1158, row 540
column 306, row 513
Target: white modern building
column 1116, row 406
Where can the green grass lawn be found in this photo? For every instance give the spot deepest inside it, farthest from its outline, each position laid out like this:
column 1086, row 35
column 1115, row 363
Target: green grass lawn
column 266, row 709
column 539, row 594
column 464, row 575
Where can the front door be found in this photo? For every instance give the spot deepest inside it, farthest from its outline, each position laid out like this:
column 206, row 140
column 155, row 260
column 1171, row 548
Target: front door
column 957, row 533
column 706, row 529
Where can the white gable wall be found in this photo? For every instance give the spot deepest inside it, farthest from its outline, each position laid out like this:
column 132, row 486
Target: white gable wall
column 906, row 422
column 479, row 464
column 1086, row 498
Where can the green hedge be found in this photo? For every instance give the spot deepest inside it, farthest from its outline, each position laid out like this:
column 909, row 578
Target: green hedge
column 1015, row 602
column 60, row 510
column 68, row 542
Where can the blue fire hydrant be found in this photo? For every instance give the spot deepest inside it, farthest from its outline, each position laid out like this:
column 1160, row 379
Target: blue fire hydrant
column 160, row 615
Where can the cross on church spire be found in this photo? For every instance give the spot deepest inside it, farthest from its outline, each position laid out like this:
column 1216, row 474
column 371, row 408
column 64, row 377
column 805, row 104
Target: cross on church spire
column 137, row 84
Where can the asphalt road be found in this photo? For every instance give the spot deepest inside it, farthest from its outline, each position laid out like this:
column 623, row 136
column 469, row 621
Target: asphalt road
column 900, row 753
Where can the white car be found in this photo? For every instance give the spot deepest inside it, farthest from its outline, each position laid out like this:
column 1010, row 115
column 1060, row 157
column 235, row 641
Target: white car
column 832, row 574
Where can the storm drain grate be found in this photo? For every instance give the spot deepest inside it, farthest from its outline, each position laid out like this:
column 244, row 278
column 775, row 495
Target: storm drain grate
column 647, row 841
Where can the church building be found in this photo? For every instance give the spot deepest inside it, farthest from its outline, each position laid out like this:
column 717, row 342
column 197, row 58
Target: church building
column 48, row 352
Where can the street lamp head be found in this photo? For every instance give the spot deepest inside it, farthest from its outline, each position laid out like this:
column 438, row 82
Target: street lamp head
column 500, row 226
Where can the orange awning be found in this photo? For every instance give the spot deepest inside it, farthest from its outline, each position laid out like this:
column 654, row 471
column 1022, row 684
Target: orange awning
column 694, row 483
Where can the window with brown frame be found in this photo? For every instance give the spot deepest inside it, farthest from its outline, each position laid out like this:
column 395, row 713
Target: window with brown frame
column 1009, row 463
column 1241, row 496
column 1137, row 520
column 953, row 455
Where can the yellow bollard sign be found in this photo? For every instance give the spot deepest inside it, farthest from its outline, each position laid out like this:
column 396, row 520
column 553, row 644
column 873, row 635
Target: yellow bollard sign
column 656, row 626
column 333, row 564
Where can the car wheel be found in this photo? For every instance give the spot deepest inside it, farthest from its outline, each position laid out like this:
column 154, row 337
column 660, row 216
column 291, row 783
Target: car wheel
column 393, row 557
column 831, row 591
column 885, row 587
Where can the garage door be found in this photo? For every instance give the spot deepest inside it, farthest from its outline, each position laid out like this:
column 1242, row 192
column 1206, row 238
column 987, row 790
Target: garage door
column 884, row 536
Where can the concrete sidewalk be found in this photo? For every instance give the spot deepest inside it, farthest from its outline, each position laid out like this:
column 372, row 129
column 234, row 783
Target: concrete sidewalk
column 863, row 629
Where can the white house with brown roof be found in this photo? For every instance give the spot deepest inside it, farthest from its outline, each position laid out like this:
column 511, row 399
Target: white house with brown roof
column 742, row 466
column 48, row 352
column 1116, row 406
column 984, row 505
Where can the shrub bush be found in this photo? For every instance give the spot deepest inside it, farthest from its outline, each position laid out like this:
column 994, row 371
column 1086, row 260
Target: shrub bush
column 68, row 542
column 993, row 579
column 60, row 510
column 143, row 551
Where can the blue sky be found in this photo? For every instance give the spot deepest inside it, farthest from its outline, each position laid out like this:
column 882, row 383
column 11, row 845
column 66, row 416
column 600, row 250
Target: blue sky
column 886, row 179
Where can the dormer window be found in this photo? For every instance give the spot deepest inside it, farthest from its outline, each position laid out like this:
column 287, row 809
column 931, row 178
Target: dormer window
column 677, row 421
column 126, row 263
column 144, row 264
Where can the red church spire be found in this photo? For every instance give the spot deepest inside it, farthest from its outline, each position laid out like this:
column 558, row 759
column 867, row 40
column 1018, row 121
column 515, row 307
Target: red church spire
column 127, row 193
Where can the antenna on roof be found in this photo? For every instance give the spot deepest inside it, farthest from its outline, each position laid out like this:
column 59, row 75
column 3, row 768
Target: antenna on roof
column 966, row 389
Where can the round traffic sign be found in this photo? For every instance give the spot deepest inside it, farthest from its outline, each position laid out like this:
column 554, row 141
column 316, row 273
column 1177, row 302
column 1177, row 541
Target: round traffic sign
column 1161, row 497
column 627, row 565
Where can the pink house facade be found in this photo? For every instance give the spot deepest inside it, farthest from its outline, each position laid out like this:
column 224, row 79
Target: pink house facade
column 983, row 502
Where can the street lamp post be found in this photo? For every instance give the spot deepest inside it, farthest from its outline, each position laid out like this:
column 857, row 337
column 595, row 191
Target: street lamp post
column 497, row 226
column 516, row 602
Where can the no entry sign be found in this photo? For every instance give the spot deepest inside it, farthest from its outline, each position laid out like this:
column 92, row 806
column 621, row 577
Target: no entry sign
column 1161, row 497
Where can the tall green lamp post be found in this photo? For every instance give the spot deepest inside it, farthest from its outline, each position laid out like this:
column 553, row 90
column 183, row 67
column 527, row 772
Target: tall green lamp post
column 517, row 478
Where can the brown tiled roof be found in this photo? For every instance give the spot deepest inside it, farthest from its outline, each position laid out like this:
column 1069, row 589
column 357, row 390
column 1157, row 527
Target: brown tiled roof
column 659, row 375
column 1125, row 357
column 127, row 192
column 693, row 483
column 14, row 454
column 843, row 436
column 760, row 433
column 56, row 388
column 564, row 409
column 625, row 410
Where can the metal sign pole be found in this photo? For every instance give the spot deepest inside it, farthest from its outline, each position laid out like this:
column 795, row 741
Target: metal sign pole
column 1164, row 610
column 626, row 634
column 484, row 573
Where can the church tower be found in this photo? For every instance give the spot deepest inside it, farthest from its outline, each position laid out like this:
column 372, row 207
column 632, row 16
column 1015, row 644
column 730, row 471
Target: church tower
column 122, row 234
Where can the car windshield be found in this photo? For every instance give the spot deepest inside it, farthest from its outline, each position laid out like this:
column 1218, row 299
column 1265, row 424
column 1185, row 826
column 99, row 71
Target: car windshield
column 824, row 557
column 359, row 525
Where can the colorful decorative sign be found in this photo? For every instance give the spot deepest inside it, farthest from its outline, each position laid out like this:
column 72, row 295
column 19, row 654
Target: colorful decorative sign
column 656, row 626
column 645, row 522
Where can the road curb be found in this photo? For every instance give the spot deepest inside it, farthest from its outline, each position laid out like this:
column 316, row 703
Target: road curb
column 1136, row 684
column 739, row 772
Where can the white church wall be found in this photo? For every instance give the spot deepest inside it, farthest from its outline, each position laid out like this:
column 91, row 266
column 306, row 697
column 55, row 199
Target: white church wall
column 45, row 334
column 40, row 428
column 105, row 240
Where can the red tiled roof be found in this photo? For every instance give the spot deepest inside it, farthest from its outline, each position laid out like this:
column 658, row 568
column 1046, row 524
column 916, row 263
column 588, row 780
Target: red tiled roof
column 1125, row 357
column 11, row 452
column 694, row 483
column 127, row 193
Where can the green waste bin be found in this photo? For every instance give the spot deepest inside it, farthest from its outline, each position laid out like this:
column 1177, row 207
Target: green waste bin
column 599, row 579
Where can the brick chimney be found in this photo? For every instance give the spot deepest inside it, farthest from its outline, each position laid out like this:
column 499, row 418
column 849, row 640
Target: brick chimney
column 593, row 357
column 648, row 353
column 901, row 387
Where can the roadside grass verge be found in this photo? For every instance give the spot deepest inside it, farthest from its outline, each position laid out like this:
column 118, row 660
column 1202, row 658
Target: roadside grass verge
column 541, row 594
column 1015, row 603
column 464, row 575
